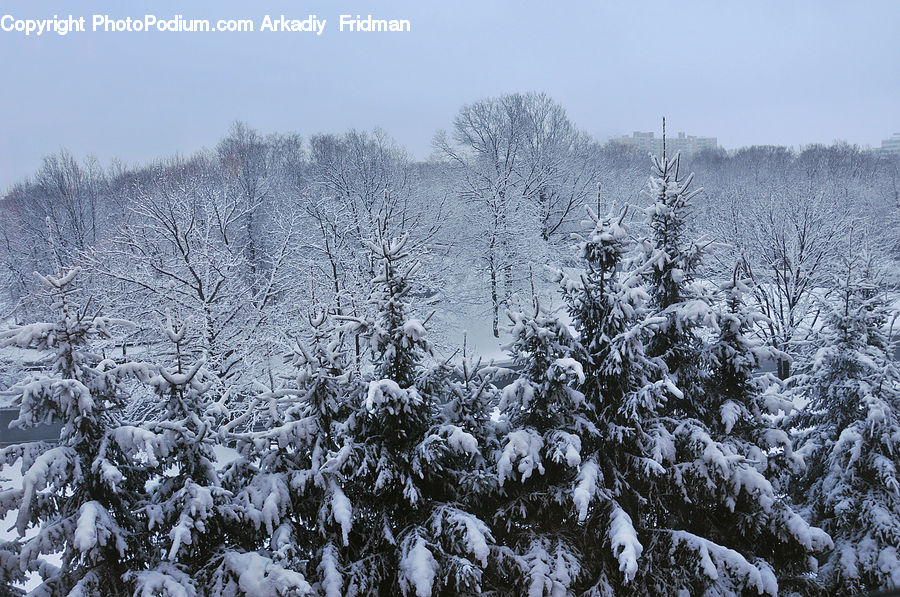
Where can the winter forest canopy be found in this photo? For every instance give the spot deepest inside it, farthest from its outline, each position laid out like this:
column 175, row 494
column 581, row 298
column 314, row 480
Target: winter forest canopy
column 534, row 364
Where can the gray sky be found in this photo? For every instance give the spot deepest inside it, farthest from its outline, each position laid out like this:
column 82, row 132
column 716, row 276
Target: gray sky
column 761, row 72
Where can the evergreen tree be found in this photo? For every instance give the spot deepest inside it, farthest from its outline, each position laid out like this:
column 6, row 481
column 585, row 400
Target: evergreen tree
column 744, row 404
column 540, row 466
column 467, row 396
column 850, row 437
column 78, row 496
column 742, row 413
column 701, row 516
column 11, row 576
column 294, row 502
column 723, row 501
column 189, row 514
column 670, row 260
column 621, row 479
column 406, row 536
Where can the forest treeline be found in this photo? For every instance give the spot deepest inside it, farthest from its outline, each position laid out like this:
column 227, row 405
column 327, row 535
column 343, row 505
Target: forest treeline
column 277, row 221
column 277, row 295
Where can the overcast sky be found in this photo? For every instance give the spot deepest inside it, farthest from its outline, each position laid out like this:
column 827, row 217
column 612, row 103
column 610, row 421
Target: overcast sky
column 761, row 72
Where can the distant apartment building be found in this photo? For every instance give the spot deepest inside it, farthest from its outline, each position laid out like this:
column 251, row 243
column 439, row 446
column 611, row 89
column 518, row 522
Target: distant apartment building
column 891, row 145
column 686, row 144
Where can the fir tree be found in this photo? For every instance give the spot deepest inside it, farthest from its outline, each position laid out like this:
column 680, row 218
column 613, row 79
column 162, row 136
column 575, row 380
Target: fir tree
column 11, row 575
column 189, row 514
column 79, row 496
column 406, row 537
column 625, row 390
column 850, row 436
column 295, row 504
column 720, row 505
column 541, row 458
column 744, row 404
column 670, row 259
column 742, row 413
column 467, row 396
column 701, row 517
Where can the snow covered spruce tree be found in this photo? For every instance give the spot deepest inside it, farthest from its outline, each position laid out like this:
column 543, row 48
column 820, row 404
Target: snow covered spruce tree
column 79, row 497
column 670, row 260
column 742, row 403
column 12, row 578
column 467, row 396
column 850, row 438
column 724, row 512
column 743, row 410
column 549, row 429
column 191, row 519
column 678, row 509
column 621, row 478
column 295, row 509
column 407, row 534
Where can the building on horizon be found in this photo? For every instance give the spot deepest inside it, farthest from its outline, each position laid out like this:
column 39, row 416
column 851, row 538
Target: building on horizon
column 891, row 145
column 684, row 143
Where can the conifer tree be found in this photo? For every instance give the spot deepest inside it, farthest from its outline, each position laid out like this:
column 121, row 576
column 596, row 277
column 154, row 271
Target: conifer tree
column 295, row 505
column 850, row 437
column 189, row 514
column 720, row 498
column 624, row 390
column 79, row 496
column 406, row 537
column 670, row 259
column 743, row 403
column 541, row 458
column 742, row 410
column 695, row 506
column 467, row 396
column 11, row 576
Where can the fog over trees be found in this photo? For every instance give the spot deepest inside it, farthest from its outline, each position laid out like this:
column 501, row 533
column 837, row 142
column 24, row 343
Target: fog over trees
column 535, row 364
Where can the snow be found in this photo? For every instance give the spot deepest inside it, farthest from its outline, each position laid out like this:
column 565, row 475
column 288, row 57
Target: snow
column 137, row 441
column 178, row 379
column 716, row 560
column 165, row 580
column 460, row 440
column 565, row 447
column 85, row 537
column 520, row 391
column 418, row 568
column 332, row 582
column 54, row 465
column 624, row 541
column 341, row 510
column 258, row 576
column 26, row 337
column 388, row 393
column 550, row 573
column 586, row 488
column 889, row 564
column 673, row 389
column 729, row 414
column 571, row 367
column 523, row 447
column 475, row 532
column 810, row 537
column 224, row 455
column 63, row 280
column 414, row 330
column 476, row 538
